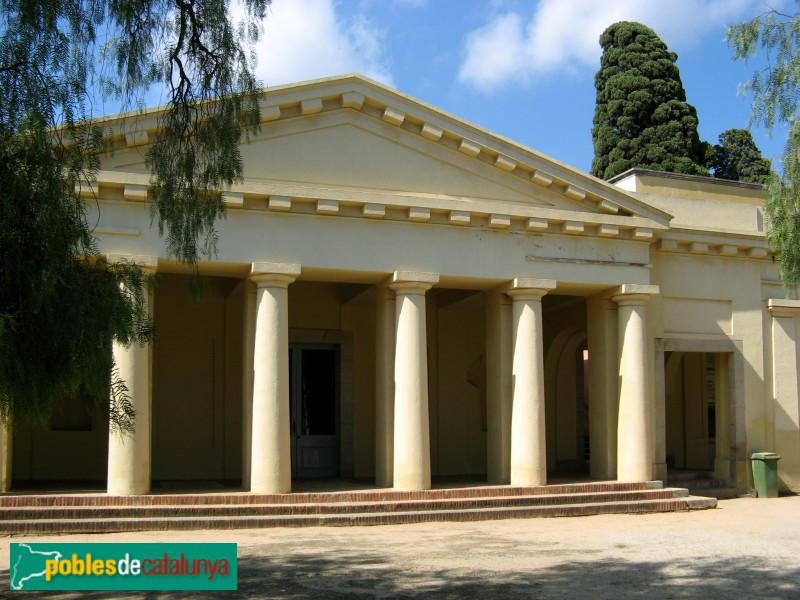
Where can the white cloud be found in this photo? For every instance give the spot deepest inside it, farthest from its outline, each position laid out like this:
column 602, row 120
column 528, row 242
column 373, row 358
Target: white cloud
column 306, row 39
column 563, row 35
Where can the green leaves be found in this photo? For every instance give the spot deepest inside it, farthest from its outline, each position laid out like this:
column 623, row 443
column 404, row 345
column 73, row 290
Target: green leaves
column 775, row 86
column 775, row 89
column 782, row 209
column 61, row 303
column 641, row 118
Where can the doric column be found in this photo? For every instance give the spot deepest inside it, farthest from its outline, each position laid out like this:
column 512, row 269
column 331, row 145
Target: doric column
column 528, row 441
column 384, row 386
column 786, row 388
column 635, row 439
column 498, row 388
column 270, row 460
column 412, row 451
column 129, row 455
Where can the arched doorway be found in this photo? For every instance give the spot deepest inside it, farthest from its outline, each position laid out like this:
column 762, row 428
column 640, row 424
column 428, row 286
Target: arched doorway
column 567, row 403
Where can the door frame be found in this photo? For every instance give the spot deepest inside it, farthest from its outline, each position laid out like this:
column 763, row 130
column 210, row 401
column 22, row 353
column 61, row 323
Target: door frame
column 295, row 400
column 731, row 462
column 344, row 340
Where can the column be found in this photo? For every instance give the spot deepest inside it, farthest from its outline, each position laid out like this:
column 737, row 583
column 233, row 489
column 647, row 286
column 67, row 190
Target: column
column 528, row 441
column 129, row 455
column 786, row 390
column 270, row 459
column 248, row 360
column 6, row 457
column 384, row 386
column 498, row 388
column 412, row 451
column 635, row 431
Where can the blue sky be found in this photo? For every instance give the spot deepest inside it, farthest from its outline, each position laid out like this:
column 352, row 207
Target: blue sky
column 522, row 68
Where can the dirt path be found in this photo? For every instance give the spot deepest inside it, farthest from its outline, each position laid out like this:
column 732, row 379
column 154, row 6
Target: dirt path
column 747, row 548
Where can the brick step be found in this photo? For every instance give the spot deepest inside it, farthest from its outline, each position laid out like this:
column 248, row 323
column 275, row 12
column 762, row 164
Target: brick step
column 379, row 495
column 241, row 510
column 383, row 518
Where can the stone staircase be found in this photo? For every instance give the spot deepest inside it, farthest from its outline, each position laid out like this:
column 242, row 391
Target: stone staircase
column 100, row 513
column 701, row 483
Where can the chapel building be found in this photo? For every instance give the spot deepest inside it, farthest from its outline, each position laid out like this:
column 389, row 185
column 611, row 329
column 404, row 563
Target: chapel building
column 400, row 295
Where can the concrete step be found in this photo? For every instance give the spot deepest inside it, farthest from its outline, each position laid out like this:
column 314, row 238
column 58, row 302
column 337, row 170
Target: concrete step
column 689, row 475
column 100, row 525
column 697, row 483
column 703, row 484
column 721, row 492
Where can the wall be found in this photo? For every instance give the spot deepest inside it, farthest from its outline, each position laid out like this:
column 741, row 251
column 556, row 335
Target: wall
column 343, row 314
column 40, row 453
column 713, row 299
column 461, row 391
column 197, row 380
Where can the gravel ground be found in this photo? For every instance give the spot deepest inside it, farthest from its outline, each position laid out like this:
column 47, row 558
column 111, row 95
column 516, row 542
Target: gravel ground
column 747, row 548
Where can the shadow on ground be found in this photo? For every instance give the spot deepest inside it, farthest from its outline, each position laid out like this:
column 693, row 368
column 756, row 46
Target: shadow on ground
column 356, row 575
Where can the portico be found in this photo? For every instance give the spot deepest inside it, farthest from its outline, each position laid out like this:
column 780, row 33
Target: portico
column 513, row 341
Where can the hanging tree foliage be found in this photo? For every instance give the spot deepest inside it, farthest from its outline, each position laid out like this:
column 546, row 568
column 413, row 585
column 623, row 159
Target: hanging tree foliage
column 775, row 89
column 61, row 302
column 641, row 118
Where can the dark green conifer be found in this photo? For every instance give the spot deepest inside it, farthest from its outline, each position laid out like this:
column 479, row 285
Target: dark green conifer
column 737, row 158
column 642, row 118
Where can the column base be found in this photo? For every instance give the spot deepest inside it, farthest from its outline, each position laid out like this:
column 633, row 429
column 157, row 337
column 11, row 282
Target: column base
column 528, row 479
column 275, row 488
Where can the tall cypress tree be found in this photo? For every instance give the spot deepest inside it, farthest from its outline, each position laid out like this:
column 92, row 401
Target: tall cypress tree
column 642, row 118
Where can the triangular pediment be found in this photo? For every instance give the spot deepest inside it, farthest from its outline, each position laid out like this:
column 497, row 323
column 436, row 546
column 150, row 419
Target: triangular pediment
column 350, row 136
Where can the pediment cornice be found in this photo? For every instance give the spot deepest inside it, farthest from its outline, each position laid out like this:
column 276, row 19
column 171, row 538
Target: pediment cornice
column 280, row 197
column 594, row 199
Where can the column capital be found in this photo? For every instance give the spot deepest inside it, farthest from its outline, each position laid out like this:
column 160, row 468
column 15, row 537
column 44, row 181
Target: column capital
column 276, row 274
column 525, row 288
column 779, row 307
column 410, row 282
column 146, row 262
column 633, row 293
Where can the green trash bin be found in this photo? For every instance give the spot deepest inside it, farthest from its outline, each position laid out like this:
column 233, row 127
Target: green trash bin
column 765, row 473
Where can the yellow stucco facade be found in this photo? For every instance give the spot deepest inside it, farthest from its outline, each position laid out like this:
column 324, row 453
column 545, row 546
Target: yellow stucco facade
column 402, row 295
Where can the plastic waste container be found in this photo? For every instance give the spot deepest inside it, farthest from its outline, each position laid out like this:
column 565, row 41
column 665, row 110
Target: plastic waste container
column 765, row 473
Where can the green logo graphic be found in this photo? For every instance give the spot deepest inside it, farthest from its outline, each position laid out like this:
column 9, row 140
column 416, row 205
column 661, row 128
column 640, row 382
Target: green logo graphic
column 123, row 566
column 28, row 564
